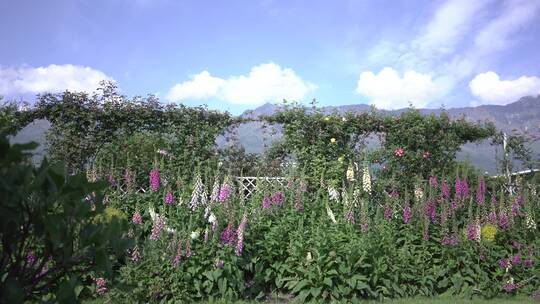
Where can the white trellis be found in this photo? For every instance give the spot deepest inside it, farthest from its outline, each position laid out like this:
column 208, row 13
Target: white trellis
column 249, row 184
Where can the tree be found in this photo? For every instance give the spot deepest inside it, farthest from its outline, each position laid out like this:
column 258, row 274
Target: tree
column 50, row 230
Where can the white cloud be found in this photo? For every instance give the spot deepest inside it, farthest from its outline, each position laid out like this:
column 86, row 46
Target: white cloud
column 202, row 85
column 53, row 78
column 490, row 89
column 265, row 83
column 388, row 90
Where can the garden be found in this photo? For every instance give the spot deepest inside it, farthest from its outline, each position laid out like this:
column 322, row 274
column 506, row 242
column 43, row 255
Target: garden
column 136, row 203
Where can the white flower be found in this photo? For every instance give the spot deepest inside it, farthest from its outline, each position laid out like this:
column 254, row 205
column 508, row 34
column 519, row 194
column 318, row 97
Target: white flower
column 529, row 221
column 418, row 194
column 343, row 119
column 212, row 218
column 308, row 257
column 350, row 173
column 330, row 214
column 333, row 193
column 195, row 234
column 366, row 178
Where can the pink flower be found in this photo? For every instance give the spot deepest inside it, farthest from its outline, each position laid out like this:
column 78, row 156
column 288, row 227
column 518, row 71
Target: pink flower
column 387, row 212
column 399, row 152
column 407, row 213
column 445, row 191
column 481, row 192
column 240, row 234
column 528, row 262
column 137, row 218
column 298, row 205
column 157, row 228
column 278, row 198
column 433, row 182
column 426, row 155
column 135, row 254
column 508, row 287
column 266, row 203
column 224, row 193
column 169, row 198
column 101, row 285
column 155, row 180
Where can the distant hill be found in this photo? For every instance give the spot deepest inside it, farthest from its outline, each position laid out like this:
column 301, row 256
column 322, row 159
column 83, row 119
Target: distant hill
column 522, row 115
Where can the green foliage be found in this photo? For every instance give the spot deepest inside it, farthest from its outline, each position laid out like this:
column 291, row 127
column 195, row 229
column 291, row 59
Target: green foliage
column 49, row 241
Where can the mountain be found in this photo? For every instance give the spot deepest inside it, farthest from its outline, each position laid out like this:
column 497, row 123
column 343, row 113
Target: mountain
column 522, row 115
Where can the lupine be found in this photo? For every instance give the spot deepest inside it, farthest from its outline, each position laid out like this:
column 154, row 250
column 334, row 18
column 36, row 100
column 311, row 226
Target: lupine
column 154, row 180
column 101, row 285
column 278, row 198
column 169, row 198
column 224, row 192
column 157, row 228
column 433, row 182
column 137, row 218
column 178, row 256
column 407, row 213
column 135, row 254
column 240, row 234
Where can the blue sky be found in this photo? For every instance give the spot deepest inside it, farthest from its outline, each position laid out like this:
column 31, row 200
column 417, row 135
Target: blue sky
column 237, row 55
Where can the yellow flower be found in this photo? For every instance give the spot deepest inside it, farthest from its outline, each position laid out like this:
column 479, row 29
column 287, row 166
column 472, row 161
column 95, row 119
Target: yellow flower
column 327, row 118
column 333, row 140
column 488, row 232
column 340, row 159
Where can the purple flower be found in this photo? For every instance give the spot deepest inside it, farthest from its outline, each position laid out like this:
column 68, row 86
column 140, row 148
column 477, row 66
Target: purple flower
column 503, row 263
column 516, row 206
column 454, row 205
column 465, row 188
column 430, row 211
column 388, row 212
column 219, row 264
column 266, row 203
column 278, row 198
column 516, row 259
column 137, row 218
column 482, row 258
column 457, row 187
column 169, row 198
column 425, row 236
column 445, row 191
column 433, row 182
column 407, row 213
column 154, row 180
column 492, row 218
column 224, row 193
column 303, row 186
column 508, row 287
column 227, row 236
column 528, row 262
column 364, row 227
column 516, row 244
column 481, row 191
column 350, row 217
column 503, row 220
column 30, row 258
column 473, row 233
